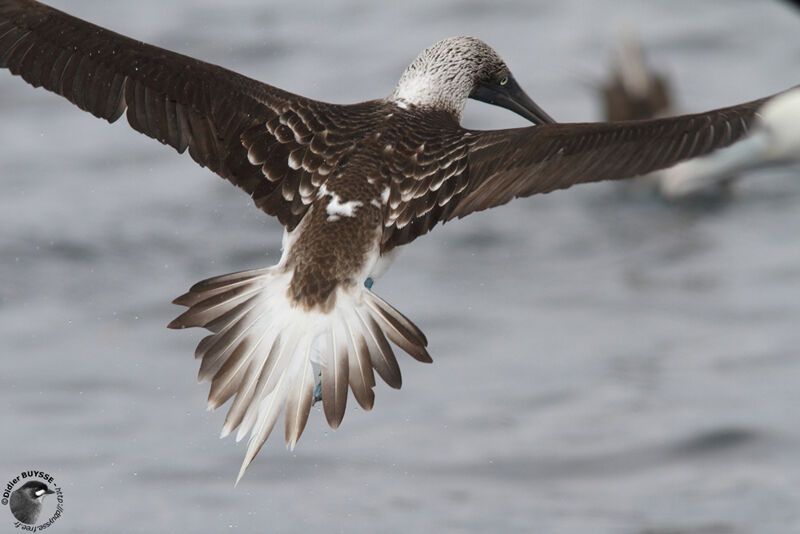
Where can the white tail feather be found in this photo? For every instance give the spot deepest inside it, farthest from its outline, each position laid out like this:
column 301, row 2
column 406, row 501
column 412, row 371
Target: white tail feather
column 265, row 347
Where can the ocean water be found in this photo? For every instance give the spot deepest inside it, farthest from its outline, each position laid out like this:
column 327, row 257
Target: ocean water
column 604, row 362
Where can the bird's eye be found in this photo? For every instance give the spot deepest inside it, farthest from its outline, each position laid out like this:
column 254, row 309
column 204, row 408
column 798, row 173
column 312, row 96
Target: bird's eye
column 504, row 80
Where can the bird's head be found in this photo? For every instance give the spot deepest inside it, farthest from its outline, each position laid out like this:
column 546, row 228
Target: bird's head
column 35, row 490
column 446, row 74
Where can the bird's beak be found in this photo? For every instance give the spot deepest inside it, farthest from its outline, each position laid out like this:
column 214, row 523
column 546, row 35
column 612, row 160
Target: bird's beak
column 512, row 97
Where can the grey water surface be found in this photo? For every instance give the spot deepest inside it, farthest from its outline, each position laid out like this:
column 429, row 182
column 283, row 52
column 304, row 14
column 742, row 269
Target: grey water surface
column 604, row 362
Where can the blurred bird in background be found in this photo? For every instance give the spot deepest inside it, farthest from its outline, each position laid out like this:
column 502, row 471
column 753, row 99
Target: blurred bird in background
column 636, row 91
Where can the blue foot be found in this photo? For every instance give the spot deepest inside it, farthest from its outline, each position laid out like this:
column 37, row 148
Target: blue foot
column 317, row 392
column 368, row 283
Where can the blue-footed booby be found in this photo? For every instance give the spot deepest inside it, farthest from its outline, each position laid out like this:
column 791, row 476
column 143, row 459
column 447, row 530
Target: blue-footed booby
column 350, row 184
column 634, row 91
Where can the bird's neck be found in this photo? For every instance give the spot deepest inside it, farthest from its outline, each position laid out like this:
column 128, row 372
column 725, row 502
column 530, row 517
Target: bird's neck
column 422, row 90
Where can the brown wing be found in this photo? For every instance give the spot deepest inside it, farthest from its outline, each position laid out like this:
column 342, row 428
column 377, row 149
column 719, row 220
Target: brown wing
column 273, row 144
column 455, row 172
column 508, row 164
column 427, row 171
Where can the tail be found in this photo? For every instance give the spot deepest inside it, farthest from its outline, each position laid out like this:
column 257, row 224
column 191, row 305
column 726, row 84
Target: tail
column 267, row 351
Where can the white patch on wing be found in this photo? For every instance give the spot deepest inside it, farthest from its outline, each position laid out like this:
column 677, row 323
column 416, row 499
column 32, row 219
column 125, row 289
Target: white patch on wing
column 385, row 195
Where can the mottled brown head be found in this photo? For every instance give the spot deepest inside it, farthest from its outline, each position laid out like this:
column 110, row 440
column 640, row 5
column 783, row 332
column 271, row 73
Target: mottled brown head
column 446, row 74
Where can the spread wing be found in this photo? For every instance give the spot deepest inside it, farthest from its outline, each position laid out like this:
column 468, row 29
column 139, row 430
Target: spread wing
column 522, row 162
column 468, row 171
column 275, row 145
